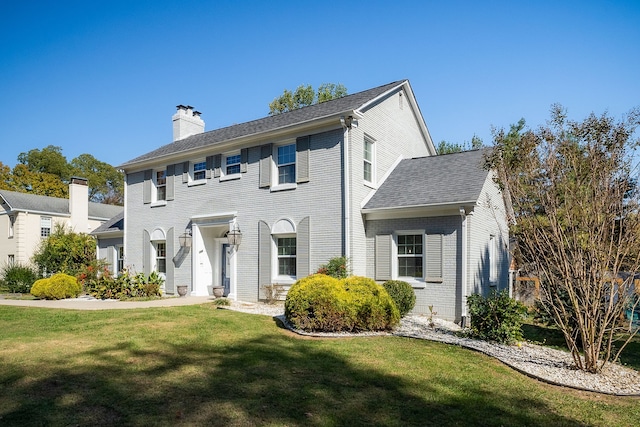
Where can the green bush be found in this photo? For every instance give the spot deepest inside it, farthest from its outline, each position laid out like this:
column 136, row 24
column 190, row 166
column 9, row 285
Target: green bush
column 64, row 251
column 336, row 267
column 58, row 286
column 324, row 303
column 402, row 294
column 125, row 286
column 18, row 278
column 496, row 317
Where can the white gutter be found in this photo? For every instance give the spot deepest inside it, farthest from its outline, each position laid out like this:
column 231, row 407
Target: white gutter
column 463, row 285
column 347, row 194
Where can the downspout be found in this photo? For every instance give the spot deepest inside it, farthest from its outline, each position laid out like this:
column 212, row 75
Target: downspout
column 346, row 125
column 463, row 285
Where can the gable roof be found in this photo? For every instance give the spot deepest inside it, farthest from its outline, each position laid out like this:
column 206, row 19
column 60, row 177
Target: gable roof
column 113, row 225
column 299, row 116
column 26, row 202
column 432, row 181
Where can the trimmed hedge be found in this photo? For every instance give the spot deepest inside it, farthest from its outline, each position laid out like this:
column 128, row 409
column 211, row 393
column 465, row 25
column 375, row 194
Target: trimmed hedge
column 323, row 303
column 58, row 286
column 402, row 294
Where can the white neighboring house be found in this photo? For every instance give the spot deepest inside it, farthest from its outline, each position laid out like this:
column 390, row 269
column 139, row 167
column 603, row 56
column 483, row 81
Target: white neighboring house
column 356, row 176
column 26, row 219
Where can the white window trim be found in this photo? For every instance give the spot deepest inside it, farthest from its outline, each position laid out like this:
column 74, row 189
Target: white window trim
column 275, row 176
column 276, row 277
column 192, row 173
column 373, row 181
column 493, row 260
column 117, row 259
column 154, row 245
column 12, row 223
column 154, row 192
column 223, row 167
column 416, row 282
column 50, row 220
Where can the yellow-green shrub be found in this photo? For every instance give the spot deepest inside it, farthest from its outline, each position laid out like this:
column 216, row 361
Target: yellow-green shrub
column 324, row 303
column 58, row 286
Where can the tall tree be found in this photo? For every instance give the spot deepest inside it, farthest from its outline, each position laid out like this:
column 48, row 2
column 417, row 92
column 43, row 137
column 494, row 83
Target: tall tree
column 106, row 183
column 48, row 160
column 304, row 96
column 449, row 147
column 577, row 217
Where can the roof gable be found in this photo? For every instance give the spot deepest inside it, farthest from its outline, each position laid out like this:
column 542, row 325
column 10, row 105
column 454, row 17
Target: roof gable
column 432, row 181
column 270, row 123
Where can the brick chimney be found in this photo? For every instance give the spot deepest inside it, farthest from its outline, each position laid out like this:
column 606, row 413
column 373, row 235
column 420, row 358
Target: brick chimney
column 186, row 122
column 79, row 204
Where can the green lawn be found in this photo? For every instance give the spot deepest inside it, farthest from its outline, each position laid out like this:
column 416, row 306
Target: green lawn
column 198, row 365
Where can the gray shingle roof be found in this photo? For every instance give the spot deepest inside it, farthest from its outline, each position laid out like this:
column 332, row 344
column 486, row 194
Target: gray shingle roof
column 115, row 224
column 266, row 124
column 432, row 181
column 54, row 205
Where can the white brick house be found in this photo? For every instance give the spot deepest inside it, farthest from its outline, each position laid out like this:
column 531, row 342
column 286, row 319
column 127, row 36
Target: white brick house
column 309, row 185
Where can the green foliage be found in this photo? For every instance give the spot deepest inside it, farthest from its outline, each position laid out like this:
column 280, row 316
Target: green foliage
column 304, row 96
column 65, row 251
column 336, row 267
column 496, row 317
column 18, row 278
column 125, row 286
column 324, row 303
column 402, row 294
column 223, row 302
column 106, row 183
column 445, row 147
column 58, row 286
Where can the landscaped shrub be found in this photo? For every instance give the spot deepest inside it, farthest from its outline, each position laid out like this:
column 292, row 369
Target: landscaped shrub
column 324, row 303
column 496, row 317
column 64, row 251
column 336, row 267
column 58, row 286
column 402, row 294
column 125, row 286
column 18, row 278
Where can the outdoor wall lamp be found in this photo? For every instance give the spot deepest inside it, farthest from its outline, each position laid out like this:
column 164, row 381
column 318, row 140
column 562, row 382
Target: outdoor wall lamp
column 185, row 239
column 234, row 236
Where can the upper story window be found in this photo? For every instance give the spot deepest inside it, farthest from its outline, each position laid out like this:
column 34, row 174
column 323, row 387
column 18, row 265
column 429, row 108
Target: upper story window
column 369, row 160
column 410, row 255
column 45, row 226
column 232, row 164
column 160, row 180
column 12, row 221
column 199, row 171
column 286, row 164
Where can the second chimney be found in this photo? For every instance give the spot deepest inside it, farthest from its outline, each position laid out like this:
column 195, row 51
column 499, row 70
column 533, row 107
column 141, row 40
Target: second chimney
column 186, row 122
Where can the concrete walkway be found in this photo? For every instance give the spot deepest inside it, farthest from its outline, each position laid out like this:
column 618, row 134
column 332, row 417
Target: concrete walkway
column 90, row 303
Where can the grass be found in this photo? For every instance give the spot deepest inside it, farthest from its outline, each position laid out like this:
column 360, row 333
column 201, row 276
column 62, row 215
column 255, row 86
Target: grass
column 198, row 365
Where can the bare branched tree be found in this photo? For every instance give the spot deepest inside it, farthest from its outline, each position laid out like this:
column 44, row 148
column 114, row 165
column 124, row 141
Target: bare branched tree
column 576, row 212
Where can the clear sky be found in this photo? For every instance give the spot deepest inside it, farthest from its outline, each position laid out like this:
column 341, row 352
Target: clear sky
column 104, row 77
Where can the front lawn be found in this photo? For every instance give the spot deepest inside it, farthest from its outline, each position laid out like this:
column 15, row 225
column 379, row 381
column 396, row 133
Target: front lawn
column 198, row 365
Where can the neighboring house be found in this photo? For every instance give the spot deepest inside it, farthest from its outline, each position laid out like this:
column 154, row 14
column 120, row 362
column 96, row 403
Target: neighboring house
column 26, row 219
column 311, row 184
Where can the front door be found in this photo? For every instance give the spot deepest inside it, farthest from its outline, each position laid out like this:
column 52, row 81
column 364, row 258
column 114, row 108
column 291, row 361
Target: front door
column 226, row 269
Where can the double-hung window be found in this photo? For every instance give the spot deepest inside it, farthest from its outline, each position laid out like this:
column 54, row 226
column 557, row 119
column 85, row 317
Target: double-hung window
column 199, row 171
column 368, row 160
column 120, row 255
column 161, row 185
column 232, row 164
column 286, row 256
column 161, row 257
column 410, row 255
column 12, row 222
column 286, row 163
column 45, row 226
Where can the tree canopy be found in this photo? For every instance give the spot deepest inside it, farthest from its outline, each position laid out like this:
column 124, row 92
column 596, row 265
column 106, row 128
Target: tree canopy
column 445, row 147
column 46, row 172
column 304, row 95
column 576, row 215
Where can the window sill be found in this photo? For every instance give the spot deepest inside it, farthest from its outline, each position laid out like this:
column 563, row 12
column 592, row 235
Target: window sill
column 198, row 182
column 159, row 203
column 414, row 282
column 284, row 280
column 230, row 177
column 284, row 187
column 370, row 184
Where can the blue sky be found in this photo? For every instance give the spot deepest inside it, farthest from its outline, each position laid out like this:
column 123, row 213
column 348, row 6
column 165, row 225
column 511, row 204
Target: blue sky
column 104, row 77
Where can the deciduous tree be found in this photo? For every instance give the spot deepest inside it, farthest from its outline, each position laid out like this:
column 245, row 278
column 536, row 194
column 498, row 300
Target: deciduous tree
column 304, row 96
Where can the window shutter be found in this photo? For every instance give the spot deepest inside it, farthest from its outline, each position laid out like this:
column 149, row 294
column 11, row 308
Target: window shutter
column 185, row 172
column 302, row 248
column 244, row 160
column 434, row 258
column 302, row 161
column 146, row 252
column 264, row 254
column 210, row 167
column 383, row 257
column 265, row 165
column 169, row 283
column 110, row 251
column 171, row 171
column 146, row 187
column 217, row 162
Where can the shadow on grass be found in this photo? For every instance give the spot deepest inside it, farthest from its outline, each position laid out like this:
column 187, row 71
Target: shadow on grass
column 269, row 380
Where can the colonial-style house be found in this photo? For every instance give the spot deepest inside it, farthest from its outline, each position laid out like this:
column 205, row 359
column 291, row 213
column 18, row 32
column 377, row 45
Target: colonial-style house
column 26, row 219
column 356, row 176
